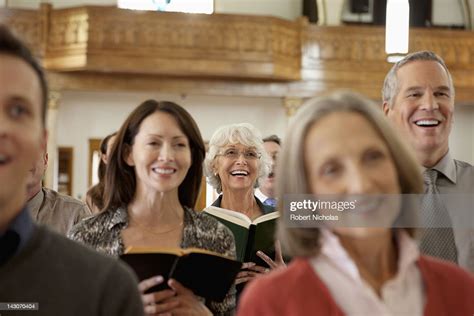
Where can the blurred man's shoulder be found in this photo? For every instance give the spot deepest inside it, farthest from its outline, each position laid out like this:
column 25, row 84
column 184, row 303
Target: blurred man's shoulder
column 75, row 255
column 463, row 166
column 65, row 202
column 54, row 195
column 64, row 276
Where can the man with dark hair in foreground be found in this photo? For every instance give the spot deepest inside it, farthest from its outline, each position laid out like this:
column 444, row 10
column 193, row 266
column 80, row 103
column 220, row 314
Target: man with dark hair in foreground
column 266, row 192
column 37, row 265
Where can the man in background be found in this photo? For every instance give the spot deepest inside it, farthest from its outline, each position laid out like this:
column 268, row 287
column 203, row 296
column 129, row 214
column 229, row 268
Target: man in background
column 266, row 192
column 418, row 98
column 48, row 207
column 37, row 265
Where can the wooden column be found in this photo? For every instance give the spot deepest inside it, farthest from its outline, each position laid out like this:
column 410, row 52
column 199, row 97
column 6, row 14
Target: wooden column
column 51, row 175
column 291, row 105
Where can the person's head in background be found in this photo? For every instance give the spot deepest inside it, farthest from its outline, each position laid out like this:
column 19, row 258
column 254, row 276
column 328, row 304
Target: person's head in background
column 23, row 98
column 418, row 98
column 105, row 149
column 342, row 144
column 132, row 164
column 95, row 195
column 272, row 145
column 35, row 182
column 236, row 159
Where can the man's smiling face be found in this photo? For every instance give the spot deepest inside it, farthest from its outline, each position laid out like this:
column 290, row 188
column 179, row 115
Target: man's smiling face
column 423, row 106
column 22, row 134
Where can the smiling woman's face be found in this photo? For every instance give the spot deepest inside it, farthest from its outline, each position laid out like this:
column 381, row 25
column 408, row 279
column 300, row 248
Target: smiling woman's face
column 237, row 166
column 161, row 154
column 344, row 155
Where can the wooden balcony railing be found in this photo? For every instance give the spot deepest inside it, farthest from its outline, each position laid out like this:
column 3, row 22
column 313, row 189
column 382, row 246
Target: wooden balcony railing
column 105, row 48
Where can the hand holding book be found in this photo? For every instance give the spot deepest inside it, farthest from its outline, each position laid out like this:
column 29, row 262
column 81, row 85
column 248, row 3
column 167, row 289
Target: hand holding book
column 250, row 236
column 178, row 299
column 205, row 273
column 279, row 261
column 250, row 270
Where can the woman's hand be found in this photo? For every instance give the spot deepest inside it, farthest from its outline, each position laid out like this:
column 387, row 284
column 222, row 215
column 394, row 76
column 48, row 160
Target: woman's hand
column 175, row 301
column 247, row 273
column 278, row 263
column 250, row 270
column 188, row 303
column 156, row 303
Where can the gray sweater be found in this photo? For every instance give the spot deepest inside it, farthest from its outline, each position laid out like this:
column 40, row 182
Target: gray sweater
column 67, row 279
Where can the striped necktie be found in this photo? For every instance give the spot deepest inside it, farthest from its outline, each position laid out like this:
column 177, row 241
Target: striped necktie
column 438, row 238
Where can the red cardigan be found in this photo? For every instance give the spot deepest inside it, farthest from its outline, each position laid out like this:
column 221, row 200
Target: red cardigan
column 297, row 290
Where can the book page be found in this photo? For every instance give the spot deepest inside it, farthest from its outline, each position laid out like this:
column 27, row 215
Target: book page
column 229, row 215
column 172, row 251
column 266, row 217
column 188, row 251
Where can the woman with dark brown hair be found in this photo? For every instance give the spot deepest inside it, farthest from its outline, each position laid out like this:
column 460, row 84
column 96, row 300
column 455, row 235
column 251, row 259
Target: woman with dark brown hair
column 152, row 183
column 95, row 195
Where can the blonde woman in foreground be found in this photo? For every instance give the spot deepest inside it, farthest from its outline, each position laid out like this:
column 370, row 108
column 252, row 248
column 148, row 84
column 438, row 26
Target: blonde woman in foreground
column 342, row 145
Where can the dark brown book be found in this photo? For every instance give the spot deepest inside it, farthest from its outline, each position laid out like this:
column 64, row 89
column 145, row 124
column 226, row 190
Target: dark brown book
column 206, row 273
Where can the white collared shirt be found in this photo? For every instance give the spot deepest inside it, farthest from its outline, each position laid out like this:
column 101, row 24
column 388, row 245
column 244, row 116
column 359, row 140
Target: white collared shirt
column 402, row 295
column 259, row 194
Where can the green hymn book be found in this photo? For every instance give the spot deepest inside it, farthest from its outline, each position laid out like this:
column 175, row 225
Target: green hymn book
column 206, row 273
column 250, row 236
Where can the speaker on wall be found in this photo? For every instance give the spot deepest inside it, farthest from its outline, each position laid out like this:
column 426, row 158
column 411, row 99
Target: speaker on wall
column 310, row 10
column 420, row 12
column 379, row 12
column 359, row 6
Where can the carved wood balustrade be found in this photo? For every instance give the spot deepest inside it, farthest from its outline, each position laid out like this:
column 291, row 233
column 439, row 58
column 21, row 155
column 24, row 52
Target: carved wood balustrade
column 105, row 48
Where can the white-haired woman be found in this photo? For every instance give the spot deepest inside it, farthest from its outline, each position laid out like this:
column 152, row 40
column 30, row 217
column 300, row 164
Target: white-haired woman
column 342, row 146
column 236, row 163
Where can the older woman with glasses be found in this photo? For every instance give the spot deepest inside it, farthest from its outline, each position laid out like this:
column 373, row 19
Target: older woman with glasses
column 235, row 165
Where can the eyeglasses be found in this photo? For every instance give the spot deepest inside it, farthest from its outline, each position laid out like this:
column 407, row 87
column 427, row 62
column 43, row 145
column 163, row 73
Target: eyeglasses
column 235, row 154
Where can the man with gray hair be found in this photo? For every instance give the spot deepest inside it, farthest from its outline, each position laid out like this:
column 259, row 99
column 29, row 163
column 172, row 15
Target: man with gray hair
column 418, row 98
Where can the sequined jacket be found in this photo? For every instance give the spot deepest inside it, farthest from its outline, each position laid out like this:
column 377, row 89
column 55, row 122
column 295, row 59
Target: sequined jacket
column 103, row 233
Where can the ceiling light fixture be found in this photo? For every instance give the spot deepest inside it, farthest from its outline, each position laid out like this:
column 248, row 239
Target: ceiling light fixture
column 397, row 29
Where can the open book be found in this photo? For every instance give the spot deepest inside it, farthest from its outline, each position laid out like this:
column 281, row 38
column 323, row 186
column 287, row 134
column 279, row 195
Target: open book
column 206, row 273
column 250, row 236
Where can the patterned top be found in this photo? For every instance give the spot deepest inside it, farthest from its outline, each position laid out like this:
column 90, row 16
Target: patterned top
column 103, row 233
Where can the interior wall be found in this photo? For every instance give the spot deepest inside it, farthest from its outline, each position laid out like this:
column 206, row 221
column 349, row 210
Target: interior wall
column 34, row 4
column 445, row 12
column 84, row 115
column 287, row 9
column 461, row 139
